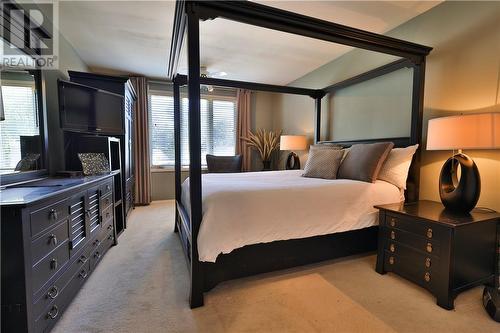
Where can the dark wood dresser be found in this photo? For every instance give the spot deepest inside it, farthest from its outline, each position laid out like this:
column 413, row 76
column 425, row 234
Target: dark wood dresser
column 54, row 232
column 443, row 252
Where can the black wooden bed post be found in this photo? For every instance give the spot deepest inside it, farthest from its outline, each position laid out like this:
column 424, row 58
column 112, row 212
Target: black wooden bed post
column 416, row 127
column 177, row 145
column 193, row 47
column 317, row 128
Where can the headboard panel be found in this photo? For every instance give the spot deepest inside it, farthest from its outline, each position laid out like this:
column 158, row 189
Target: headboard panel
column 413, row 181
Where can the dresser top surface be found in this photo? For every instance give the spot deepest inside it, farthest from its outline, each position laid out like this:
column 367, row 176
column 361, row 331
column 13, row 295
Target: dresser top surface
column 30, row 192
column 435, row 212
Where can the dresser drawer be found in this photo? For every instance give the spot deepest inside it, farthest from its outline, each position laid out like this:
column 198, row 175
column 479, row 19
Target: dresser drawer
column 45, row 217
column 103, row 247
column 106, row 187
column 107, row 214
column 53, row 292
column 48, row 242
column 420, row 228
column 50, row 265
column 54, row 311
column 106, row 200
column 425, row 245
column 414, row 270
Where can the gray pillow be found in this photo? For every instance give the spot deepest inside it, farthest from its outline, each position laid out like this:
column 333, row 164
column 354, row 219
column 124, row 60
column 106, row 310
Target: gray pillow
column 364, row 161
column 326, row 145
column 323, row 163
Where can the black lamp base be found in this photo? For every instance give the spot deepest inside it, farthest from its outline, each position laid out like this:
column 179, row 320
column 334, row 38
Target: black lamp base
column 463, row 196
column 292, row 162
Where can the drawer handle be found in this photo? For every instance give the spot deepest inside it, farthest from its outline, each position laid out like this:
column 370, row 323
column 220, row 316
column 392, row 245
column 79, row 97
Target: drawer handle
column 97, row 255
column 393, row 222
column 427, row 277
column 53, row 312
column 97, row 242
column 393, row 235
column 429, row 247
column 108, row 187
column 53, row 214
column 110, row 237
column 428, row 262
column 107, row 201
column 53, row 239
column 107, row 214
column 53, row 263
column 392, row 248
column 429, row 233
column 391, row 260
column 53, row 292
column 83, row 274
column 110, row 227
column 83, row 259
column 88, row 213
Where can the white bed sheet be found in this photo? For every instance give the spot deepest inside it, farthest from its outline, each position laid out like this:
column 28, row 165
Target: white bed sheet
column 259, row 207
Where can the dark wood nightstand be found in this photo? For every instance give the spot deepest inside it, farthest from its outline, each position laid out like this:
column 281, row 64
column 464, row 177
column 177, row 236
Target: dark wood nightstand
column 443, row 252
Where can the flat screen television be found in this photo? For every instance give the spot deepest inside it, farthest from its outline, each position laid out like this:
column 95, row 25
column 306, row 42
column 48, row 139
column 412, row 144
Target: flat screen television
column 89, row 110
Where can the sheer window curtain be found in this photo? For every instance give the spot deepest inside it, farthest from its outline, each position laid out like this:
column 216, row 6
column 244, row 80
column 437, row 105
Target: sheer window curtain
column 142, row 164
column 243, row 126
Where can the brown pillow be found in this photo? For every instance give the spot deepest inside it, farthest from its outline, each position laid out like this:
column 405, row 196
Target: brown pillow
column 326, row 145
column 323, row 163
column 364, row 161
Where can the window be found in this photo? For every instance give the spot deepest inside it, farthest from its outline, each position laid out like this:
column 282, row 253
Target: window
column 218, row 127
column 20, row 120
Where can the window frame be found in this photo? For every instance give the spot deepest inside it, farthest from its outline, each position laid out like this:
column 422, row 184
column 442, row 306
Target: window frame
column 210, row 98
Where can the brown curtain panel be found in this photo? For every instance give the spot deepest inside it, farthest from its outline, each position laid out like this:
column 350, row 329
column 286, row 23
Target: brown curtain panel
column 243, row 104
column 142, row 165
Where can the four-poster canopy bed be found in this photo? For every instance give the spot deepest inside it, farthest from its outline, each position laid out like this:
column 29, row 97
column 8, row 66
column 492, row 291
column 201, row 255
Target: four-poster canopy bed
column 264, row 257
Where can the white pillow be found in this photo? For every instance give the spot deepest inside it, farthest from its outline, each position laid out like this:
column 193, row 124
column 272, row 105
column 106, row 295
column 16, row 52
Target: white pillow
column 396, row 166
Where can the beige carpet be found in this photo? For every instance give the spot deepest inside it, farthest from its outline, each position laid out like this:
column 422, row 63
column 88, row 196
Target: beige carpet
column 141, row 286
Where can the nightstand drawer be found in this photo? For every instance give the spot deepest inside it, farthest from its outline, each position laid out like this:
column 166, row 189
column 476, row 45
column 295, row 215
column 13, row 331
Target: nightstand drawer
column 412, row 269
column 422, row 229
column 424, row 245
column 411, row 256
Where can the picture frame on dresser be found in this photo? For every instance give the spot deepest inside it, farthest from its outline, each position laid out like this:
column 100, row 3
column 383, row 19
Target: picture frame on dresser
column 39, row 142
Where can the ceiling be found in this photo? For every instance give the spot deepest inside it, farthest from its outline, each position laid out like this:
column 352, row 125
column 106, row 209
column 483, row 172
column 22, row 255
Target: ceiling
column 134, row 37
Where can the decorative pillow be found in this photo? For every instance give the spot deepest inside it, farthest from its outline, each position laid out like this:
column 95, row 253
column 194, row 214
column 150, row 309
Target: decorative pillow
column 323, row 163
column 28, row 162
column 326, row 145
column 364, row 161
column 94, row 163
column 395, row 169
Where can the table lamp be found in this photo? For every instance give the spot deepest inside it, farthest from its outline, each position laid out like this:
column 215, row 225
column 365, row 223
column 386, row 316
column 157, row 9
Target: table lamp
column 293, row 142
column 472, row 131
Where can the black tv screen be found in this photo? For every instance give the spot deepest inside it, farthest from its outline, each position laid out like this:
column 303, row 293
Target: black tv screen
column 90, row 110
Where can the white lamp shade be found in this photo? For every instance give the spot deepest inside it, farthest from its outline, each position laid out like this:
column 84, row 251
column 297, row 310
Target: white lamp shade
column 472, row 131
column 293, row 142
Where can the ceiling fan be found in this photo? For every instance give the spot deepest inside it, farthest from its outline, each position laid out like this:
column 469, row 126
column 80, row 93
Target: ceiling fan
column 205, row 73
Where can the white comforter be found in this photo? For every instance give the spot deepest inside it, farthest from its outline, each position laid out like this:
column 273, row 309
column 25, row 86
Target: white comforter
column 258, row 207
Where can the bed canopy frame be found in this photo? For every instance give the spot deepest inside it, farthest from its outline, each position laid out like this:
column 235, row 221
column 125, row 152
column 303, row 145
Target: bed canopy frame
column 260, row 258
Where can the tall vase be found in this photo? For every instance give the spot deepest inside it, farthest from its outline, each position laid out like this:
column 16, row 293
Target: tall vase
column 266, row 165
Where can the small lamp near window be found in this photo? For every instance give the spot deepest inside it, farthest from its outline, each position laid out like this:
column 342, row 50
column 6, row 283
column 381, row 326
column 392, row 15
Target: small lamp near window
column 293, row 142
column 472, row 131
